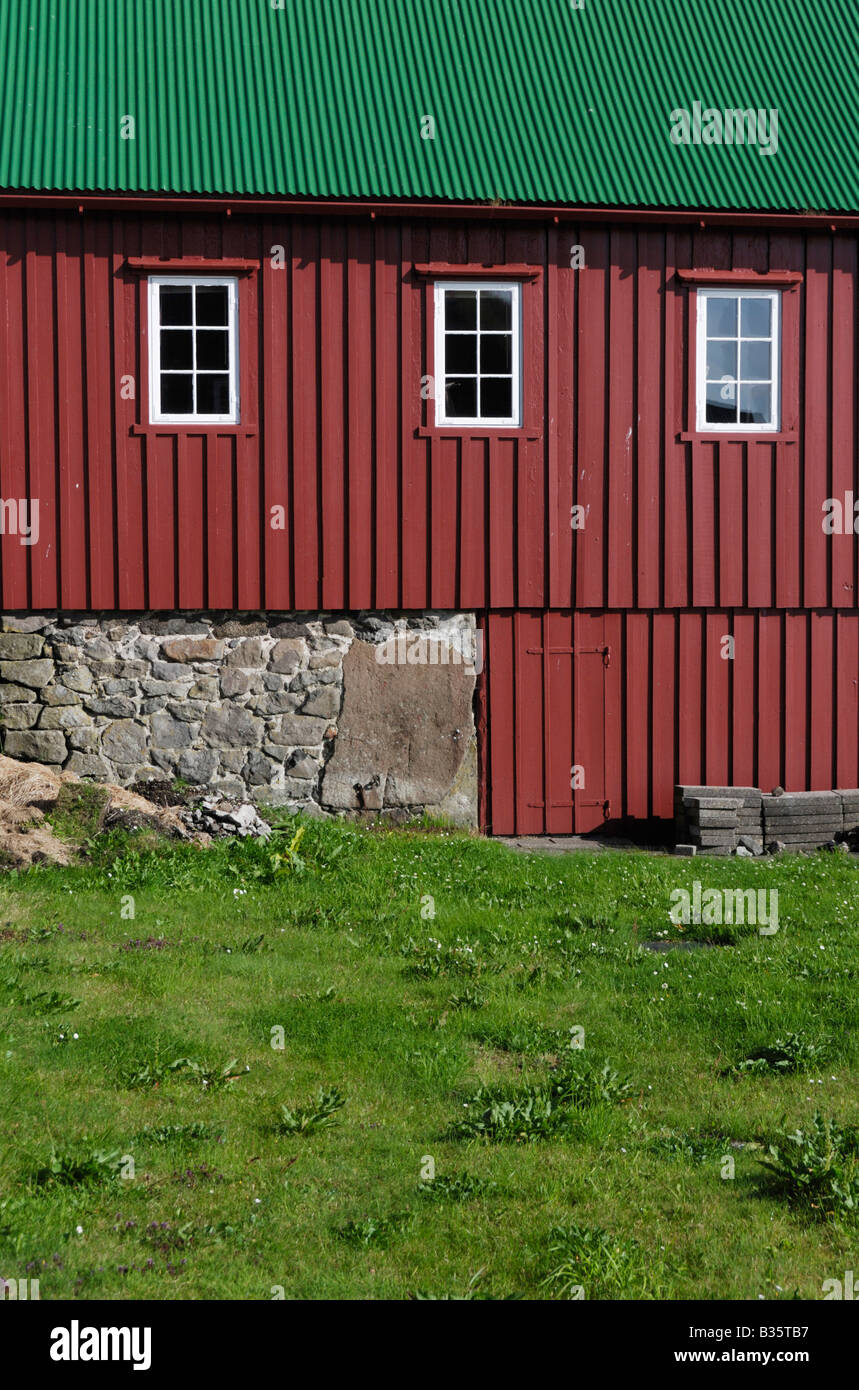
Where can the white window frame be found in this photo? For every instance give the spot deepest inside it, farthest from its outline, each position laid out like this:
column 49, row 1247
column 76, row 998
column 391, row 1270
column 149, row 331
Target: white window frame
column 513, row 421
column 719, row 426
column 156, row 415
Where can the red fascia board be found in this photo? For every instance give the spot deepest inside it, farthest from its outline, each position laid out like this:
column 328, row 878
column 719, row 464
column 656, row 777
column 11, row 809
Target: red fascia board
column 354, row 207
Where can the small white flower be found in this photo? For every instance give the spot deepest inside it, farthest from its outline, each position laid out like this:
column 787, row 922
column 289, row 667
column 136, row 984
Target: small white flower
column 80, row 1230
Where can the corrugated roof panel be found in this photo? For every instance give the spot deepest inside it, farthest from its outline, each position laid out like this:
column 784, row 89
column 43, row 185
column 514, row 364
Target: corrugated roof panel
column 533, row 101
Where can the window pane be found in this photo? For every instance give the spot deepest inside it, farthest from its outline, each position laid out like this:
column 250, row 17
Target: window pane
column 496, row 352
column 755, row 317
column 212, row 350
column 755, row 361
column 177, row 395
column 755, row 406
column 175, row 304
column 496, row 398
column 721, row 407
column 177, row 350
column 213, row 395
column 721, row 316
column 460, row 398
column 460, row 309
column 721, row 360
column 496, row 309
column 212, row 305
column 461, row 352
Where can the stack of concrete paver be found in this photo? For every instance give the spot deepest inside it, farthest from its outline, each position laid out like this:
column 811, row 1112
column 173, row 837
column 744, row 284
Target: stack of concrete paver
column 742, row 820
column 803, row 820
column 850, row 809
column 719, row 819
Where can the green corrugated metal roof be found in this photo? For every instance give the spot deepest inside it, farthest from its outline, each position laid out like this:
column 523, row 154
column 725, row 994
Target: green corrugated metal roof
column 533, row 100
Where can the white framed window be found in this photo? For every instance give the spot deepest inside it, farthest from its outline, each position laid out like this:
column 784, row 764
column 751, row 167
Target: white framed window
column 478, row 352
column 193, row 349
column 738, row 360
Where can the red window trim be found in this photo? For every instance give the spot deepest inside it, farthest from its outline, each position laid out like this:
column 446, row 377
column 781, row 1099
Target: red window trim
column 248, row 347
column 190, row 265
column 790, row 280
column 531, row 347
column 445, row 270
column 772, row 278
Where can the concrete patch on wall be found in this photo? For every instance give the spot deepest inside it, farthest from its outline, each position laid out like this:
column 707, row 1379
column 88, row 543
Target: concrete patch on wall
column 252, row 705
column 406, row 735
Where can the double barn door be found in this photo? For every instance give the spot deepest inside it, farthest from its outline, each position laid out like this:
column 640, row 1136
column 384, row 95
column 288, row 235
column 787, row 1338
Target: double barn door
column 548, row 676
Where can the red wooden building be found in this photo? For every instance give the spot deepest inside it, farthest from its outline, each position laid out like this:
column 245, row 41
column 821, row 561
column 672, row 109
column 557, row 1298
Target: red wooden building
column 608, row 408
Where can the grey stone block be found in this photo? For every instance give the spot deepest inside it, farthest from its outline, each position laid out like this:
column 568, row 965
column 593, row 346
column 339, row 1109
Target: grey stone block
column 124, row 741
column 25, row 622
column 299, row 729
column 167, row 732
column 247, row 653
column 302, row 765
column 117, row 707
column 234, row 683
column 320, row 660
column 84, row 740
column 325, row 703
column 35, row 674
column 64, row 717
column 36, row 745
column 204, row 688
column 20, row 646
column 19, row 716
column 286, row 655
column 274, row 703
column 232, row 727
column 89, row 765
column 198, row 765
column 173, row 671
column 16, row 695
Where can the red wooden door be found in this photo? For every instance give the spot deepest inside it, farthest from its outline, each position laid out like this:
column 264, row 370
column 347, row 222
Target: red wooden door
column 545, row 738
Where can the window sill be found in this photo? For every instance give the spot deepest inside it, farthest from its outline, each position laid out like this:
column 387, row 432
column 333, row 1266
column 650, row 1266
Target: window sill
column 503, row 432
column 738, row 437
column 202, row 427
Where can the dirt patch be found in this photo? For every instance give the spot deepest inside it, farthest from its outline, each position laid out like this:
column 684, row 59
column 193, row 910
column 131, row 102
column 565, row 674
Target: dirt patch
column 491, row 1064
column 31, row 791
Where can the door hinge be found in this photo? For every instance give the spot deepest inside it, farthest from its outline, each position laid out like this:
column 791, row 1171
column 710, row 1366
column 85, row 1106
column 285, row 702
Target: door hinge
column 604, row 652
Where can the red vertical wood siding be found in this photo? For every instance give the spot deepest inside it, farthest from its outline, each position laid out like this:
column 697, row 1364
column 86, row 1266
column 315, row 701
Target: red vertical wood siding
column 668, row 707
column 380, row 509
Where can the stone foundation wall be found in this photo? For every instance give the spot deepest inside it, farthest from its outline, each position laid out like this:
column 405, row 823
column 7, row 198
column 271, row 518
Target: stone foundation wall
column 355, row 714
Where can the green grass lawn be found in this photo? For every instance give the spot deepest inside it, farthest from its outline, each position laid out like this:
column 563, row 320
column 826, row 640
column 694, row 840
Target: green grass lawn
column 156, row 1144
